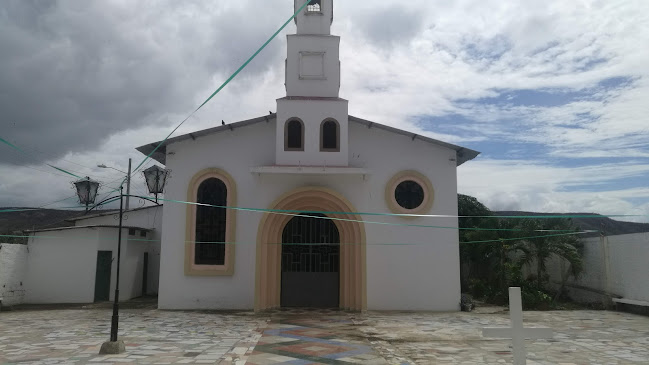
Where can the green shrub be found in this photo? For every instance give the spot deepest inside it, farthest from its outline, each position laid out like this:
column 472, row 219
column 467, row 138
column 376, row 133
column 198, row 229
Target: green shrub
column 535, row 298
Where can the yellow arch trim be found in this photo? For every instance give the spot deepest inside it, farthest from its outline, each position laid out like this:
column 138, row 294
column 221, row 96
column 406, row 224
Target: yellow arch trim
column 353, row 268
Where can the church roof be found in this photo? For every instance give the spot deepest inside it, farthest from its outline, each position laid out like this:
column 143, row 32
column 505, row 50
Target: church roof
column 463, row 154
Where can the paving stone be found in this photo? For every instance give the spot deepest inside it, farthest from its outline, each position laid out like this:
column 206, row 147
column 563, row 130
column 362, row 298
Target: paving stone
column 305, row 336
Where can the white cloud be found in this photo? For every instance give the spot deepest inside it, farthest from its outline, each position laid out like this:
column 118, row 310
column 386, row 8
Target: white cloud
column 435, row 58
column 540, row 187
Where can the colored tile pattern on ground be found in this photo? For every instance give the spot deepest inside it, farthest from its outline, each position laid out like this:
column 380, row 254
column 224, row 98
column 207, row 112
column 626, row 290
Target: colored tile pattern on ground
column 313, row 337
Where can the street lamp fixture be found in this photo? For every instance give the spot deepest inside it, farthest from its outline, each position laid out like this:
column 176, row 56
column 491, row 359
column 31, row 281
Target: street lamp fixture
column 86, row 191
column 156, row 178
column 128, row 179
column 103, row 166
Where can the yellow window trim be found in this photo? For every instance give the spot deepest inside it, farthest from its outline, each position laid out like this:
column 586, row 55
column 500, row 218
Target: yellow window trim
column 227, row 269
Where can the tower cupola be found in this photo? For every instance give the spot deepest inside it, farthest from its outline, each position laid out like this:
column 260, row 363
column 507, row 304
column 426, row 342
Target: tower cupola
column 316, row 17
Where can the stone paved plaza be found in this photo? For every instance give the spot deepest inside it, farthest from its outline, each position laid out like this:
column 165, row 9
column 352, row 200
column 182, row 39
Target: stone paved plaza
column 73, row 336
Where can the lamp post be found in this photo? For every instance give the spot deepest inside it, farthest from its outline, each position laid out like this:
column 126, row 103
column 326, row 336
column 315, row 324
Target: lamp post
column 87, row 191
column 128, row 179
column 114, row 323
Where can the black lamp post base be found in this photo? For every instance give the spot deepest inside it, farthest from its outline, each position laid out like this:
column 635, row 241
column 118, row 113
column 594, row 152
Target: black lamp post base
column 112, row 348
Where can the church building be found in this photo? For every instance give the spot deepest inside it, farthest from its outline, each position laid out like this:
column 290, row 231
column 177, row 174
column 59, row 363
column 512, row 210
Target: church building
column 309, row 157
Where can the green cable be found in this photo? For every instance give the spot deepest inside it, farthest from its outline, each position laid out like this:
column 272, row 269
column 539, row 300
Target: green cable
column 21, row 151
column 224, row 84
column 529, row 238
column 31, row 209
column 299, row 212
column 57, row 201
column 59, row 208
column 404, row 215
column 301, row 244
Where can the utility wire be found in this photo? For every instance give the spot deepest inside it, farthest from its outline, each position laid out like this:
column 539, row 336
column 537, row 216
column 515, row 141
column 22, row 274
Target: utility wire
column 314, row 244
column 43, row 171
column 2, row 140
column 293, row 212
column 61, row 159
column 30, row 158
column 224, row 84
column 192, row 113
column 296, row 213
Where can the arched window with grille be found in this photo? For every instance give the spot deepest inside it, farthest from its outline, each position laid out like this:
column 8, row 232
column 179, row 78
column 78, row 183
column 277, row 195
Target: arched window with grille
column 210, row 230
column 294, row 135
column 330, row 136
column 211, row 223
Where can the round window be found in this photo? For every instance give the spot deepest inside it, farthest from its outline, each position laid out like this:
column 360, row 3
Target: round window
column 409, row 194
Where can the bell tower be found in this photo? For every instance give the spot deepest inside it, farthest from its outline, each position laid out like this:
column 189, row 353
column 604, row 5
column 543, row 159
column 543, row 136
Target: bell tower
column 312, row 120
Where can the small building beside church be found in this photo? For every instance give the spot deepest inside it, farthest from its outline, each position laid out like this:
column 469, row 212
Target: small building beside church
column 78, row 264
column 309, row 157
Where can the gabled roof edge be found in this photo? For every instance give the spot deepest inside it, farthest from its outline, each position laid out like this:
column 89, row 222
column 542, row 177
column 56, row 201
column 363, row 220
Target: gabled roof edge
column 463, row 154
column 161, row 154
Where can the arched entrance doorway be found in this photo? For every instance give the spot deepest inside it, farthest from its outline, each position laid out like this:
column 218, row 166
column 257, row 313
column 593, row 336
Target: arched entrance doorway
column 310, row 262
column 352, row 266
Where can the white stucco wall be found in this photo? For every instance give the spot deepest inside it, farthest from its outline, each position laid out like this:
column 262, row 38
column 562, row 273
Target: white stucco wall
column 150, row 218
column 235, row 152
column 593, row 277
column 312, row 113
column 629, row 265
column 146, row 218
column 61, row 265
column 132, row 262
column 328, row 46
column 420, row 272
column 615, row 264
column 424, row 273
column 13, row 260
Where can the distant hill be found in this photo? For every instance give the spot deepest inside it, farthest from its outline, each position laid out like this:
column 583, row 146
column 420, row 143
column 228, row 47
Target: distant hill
column 52, row 218
column 595, row 222
column 34, row 219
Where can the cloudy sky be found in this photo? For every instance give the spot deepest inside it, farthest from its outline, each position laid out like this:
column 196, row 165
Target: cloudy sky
column 554, row 93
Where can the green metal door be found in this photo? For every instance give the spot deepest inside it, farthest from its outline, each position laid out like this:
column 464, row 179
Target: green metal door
column 102, row 277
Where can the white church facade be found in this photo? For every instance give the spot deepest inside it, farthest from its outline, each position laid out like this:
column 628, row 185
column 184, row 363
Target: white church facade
column 309, row 157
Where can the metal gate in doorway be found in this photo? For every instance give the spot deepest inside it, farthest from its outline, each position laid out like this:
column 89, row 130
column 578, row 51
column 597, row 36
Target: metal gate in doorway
column 310, row 262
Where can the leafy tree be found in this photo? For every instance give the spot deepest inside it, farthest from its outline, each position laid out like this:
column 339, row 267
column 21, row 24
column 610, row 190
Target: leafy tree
column 497, row 260
column 469, row 253
column 489, row 268
column 474, row 210
column 540, row 250
column 492, row 261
